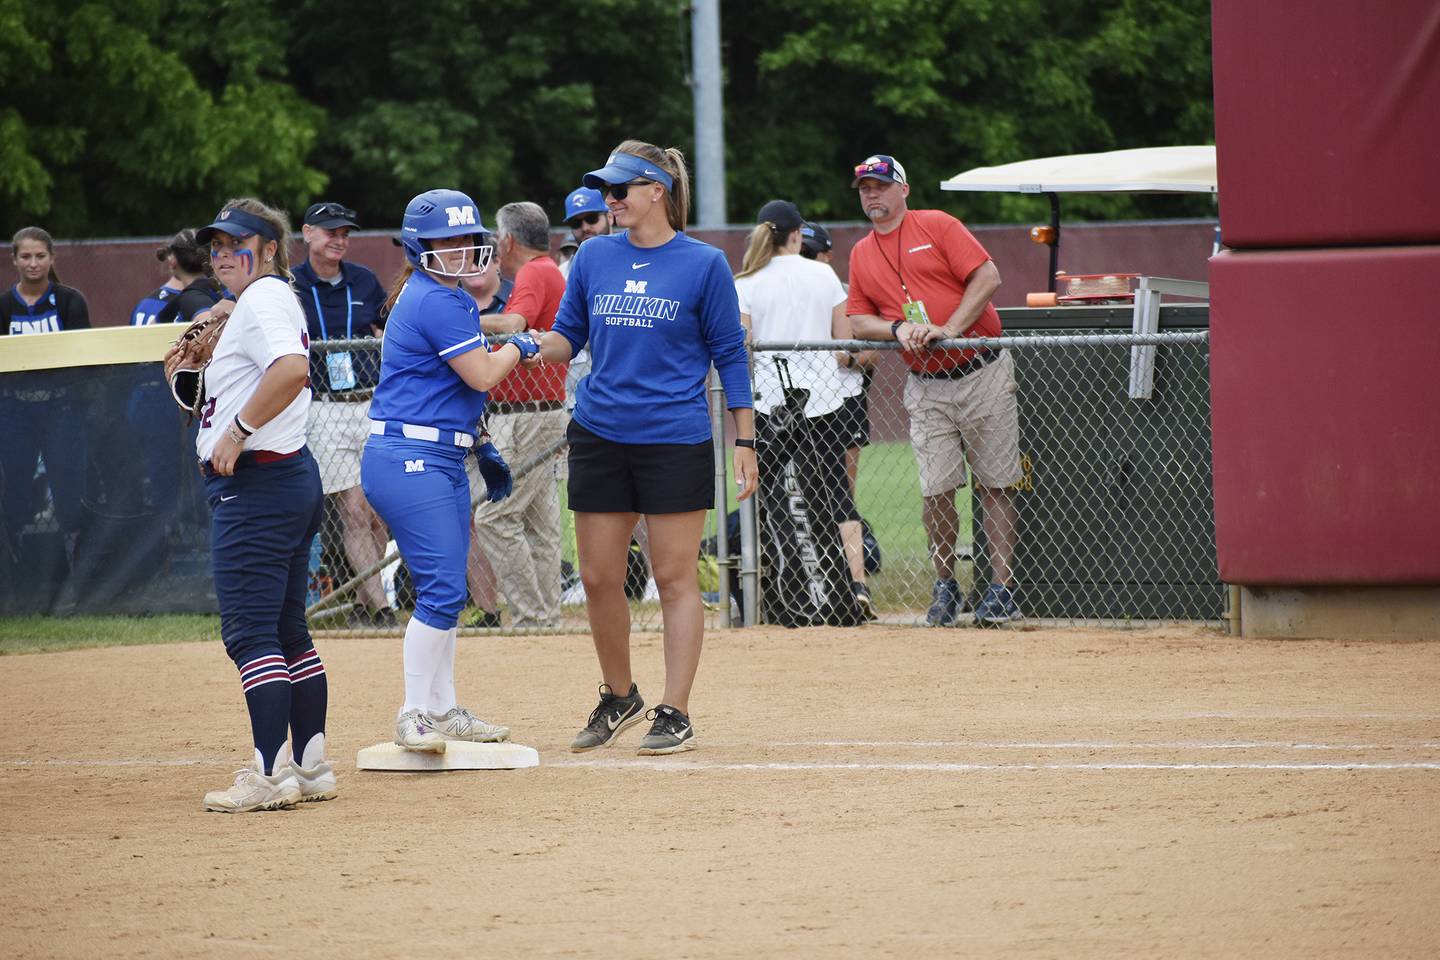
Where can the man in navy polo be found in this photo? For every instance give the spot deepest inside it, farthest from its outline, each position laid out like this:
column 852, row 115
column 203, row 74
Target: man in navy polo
column 342, row 301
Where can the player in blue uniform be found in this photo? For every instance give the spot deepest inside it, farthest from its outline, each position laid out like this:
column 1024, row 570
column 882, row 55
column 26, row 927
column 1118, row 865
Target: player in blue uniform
column 657, row 308
column 38, row 415
column 265, row 502
column 435, row 368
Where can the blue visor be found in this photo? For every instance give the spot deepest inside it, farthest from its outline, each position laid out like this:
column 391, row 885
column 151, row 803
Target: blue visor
column 237, row 223
column 624, row 167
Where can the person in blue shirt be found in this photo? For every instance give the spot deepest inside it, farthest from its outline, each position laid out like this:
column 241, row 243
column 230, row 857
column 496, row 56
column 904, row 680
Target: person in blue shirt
column 38, row 413
column 435, row 369
column 342, row 301
column 657, row 308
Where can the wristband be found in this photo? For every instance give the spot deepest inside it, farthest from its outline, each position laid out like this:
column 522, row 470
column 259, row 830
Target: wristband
column 243, row 428
column 746, row 442
column 895, row 329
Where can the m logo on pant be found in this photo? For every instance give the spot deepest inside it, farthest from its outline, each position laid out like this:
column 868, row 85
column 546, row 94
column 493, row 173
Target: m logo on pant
column 414, row 466
column 635, row 286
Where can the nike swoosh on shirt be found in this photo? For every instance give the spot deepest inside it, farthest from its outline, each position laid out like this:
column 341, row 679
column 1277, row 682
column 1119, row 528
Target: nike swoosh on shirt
column 637, row 266
column 229, row 498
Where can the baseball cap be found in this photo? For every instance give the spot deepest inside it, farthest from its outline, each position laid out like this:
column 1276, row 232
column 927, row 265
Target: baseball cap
column 237, row 223
column 330, row 216
column 784, row 214
column 583, row 200
column 623, row 167
column 880, row 166
column 814, row 239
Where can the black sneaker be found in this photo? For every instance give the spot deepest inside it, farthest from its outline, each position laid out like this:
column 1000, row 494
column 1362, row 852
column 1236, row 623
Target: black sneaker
column 671, row 732
column 608, row 720
column 863, row 601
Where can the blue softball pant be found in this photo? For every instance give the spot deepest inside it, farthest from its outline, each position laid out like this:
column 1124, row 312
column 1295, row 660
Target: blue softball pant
column 262, row 520
column 421, row 492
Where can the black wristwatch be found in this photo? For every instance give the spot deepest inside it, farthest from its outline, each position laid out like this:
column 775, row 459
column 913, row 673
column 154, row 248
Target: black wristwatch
column 895, row 329
column 747, row 442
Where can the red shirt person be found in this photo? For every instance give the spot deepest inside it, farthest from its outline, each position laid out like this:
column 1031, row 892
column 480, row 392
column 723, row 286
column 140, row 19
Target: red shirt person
column 921, row 277
column 526, row 419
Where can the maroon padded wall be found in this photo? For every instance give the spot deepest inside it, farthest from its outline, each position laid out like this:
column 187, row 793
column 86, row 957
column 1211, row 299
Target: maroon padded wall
column 1327, row 122
column 1325, row 399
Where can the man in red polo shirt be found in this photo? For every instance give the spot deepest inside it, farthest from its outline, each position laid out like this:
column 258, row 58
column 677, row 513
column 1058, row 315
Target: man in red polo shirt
column 526, row 418
column 920, row 277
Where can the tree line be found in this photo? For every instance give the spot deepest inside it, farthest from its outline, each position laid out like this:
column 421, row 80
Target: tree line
column 136, row 117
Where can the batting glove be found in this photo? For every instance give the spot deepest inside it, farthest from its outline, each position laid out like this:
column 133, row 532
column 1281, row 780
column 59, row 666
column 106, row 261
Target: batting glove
column 527, row 345
column 495, row 471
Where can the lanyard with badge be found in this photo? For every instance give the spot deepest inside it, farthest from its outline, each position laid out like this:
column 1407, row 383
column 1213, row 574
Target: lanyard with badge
column 914, row 310
column 339, row 365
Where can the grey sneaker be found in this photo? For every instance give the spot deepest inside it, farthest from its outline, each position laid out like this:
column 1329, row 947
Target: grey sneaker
column 671, row 732
column 415, row 731
column 945, row 605
column 252, row 790
column 458, row 723
column 997, row 607
column 608, row 720
column 317, row 783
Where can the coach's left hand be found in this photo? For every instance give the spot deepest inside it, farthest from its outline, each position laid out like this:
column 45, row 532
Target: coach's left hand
column 747, row 471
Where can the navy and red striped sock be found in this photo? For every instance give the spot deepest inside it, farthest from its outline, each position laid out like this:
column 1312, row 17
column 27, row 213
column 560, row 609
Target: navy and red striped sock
column 309, row 695
column 266, row 683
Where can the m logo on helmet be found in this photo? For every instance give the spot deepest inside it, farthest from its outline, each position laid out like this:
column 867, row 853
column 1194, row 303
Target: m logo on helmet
column 461, row 216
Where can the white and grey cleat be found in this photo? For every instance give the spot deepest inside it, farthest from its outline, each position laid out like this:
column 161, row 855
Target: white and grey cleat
column 458, row 723
column 415, row 731
column 316, row 783
column 253, row 791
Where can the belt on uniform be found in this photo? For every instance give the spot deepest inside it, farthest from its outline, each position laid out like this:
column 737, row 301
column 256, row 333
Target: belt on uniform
column 394, row 428
column 251, row 458
column 981, row 358
column 524, row 406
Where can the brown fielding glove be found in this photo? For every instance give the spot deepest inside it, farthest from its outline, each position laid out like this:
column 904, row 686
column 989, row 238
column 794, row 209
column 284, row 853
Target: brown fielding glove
column 185, row 362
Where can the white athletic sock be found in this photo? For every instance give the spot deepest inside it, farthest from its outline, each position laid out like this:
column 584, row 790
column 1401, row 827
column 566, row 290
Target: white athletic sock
column 424, row 650
column 442, row 688
column 313, row 753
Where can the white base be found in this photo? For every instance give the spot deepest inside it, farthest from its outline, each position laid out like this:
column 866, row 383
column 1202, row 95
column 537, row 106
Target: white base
column 458, row 755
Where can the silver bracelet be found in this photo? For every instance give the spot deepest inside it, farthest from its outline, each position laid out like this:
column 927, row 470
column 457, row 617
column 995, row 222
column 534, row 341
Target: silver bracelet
column 235, row 434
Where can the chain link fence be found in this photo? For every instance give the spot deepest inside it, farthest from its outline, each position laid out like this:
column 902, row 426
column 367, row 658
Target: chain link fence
column 1109, row 521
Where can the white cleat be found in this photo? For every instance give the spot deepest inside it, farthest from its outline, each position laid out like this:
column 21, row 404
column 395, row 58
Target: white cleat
column 253, row 790
column 458, row 723
column 317, row 783
column 415, row 731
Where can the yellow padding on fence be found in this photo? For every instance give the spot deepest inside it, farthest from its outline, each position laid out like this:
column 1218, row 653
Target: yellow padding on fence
column 87, row 348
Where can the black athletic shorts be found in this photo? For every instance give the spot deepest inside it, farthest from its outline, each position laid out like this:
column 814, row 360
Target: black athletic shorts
column 610, row 477
column 847, row 428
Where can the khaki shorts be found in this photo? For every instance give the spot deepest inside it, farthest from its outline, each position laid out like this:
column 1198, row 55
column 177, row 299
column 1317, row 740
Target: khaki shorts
column 974, row 419
column 336, row 435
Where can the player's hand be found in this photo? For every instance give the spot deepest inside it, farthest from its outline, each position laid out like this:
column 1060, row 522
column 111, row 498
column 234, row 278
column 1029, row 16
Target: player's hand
column 747, row 472
column 495, row 471
column 223, row 457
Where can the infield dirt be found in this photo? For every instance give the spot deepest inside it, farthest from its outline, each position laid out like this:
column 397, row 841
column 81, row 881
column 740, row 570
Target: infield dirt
column 880, row 792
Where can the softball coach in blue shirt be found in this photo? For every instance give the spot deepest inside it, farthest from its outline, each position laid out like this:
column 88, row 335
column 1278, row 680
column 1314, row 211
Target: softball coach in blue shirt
column 657, row 308
column 435, row 369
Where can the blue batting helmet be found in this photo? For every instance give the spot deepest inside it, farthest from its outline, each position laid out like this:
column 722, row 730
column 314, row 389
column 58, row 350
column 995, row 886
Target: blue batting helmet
column 434, row 215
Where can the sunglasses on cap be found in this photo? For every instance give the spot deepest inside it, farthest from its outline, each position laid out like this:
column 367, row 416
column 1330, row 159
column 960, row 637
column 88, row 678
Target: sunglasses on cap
column 622, row 190
column 589, row 219
column 879, row 166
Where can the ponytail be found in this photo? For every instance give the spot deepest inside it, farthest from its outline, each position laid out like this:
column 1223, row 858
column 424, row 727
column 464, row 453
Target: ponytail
column 672, row 161
column 759, row 251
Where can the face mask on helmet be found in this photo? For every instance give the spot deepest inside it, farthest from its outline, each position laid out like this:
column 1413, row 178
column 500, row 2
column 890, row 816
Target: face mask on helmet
column 478, row 254
column 443, row 214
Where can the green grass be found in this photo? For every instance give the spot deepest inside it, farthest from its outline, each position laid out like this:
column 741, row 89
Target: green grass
column 49, row 634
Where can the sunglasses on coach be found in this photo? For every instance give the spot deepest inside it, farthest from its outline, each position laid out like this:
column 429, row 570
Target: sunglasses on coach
column 621, row 190
column 589, row 219
column 879, row 167
column 334, row 210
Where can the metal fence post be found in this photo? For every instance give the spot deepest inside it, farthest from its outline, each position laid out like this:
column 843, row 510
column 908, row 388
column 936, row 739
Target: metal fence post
column 722, row 534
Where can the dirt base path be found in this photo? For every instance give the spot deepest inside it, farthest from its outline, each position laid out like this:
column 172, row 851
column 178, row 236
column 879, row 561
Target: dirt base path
column 856, row 793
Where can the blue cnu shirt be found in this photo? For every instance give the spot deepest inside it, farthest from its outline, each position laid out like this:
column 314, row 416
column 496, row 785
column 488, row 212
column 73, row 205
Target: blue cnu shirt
column 429, row 325
column 655, row 319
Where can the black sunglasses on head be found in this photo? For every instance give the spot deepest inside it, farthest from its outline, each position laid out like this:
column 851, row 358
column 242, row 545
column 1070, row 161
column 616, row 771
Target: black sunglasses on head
column 621, row 190
column 334, row 210
column 589, row 219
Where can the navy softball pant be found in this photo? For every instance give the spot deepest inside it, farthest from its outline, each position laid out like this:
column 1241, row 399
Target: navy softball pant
column 262, row 521
column 421, row 492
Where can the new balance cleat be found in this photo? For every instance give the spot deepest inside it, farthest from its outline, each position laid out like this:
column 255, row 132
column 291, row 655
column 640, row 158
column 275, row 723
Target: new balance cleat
column 253, row 791
column 457, row 723
column 415, row 731
column 997, row 607
column 316, row 783
column 612, row 717
column 671, row 732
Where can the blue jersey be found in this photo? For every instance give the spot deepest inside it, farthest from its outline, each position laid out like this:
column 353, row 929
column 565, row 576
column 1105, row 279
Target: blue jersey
column 148, row 310
column 59, row 308
column 430, row 325
column 655, row 319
